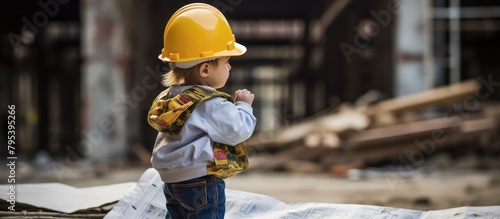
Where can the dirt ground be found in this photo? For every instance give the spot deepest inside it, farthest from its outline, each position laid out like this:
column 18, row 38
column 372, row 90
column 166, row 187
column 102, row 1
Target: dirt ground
column 437, row 190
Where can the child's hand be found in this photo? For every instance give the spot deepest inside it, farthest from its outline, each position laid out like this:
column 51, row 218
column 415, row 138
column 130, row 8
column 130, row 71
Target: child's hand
column 244, row 95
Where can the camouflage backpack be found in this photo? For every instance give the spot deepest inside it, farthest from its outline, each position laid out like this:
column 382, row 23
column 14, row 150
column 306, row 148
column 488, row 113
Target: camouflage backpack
column 228, row 160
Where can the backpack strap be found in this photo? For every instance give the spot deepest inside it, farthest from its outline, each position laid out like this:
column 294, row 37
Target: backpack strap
column 163, row 119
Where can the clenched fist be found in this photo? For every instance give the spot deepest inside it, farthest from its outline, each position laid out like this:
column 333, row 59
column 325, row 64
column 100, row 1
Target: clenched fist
column 244, row 95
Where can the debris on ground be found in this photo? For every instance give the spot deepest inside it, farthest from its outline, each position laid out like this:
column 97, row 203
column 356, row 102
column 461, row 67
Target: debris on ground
column 405, row 132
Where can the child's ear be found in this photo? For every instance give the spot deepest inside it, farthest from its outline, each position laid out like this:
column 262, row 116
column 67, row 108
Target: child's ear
column 203, row 70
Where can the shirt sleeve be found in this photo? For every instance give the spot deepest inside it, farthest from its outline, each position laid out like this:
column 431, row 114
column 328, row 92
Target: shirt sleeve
column 227, row 122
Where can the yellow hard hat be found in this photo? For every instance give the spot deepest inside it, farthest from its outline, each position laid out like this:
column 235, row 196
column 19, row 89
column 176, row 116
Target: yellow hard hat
column 197, row 33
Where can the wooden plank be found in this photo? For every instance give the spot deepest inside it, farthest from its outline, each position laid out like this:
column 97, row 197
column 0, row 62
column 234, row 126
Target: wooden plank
column 395, row 133
column 303, row 166
column 480, row 125
column 468, row 132
column 280, row 159
column 338, row 122
column 431, row 97
column 327, row 139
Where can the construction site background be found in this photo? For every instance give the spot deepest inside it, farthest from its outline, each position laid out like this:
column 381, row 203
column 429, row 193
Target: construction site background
column 382, row 102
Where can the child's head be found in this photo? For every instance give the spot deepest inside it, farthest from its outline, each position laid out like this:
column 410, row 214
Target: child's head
column 198, row 38
column 214, row 73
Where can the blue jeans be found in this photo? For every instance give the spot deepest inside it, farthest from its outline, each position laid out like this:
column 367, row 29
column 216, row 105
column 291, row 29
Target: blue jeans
column 198, row 198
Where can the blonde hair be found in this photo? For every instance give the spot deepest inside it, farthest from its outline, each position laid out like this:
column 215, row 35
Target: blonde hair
column 178, row 76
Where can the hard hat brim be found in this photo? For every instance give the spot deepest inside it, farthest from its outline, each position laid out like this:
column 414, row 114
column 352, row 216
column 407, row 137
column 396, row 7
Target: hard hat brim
column 237, row 51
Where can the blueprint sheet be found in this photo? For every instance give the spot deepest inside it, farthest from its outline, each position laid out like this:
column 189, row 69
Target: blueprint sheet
column 146, row 201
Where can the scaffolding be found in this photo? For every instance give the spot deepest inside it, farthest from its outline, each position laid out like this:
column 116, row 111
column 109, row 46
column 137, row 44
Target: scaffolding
column 450, row 21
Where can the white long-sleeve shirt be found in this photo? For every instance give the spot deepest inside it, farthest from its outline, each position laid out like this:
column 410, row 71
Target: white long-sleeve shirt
column 186, row 155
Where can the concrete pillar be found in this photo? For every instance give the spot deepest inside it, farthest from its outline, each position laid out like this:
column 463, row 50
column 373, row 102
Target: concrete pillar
column 103, row 77
column 409, row 76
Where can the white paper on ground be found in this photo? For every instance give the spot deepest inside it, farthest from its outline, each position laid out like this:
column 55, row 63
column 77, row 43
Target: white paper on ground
column 148, row 202
column 66, row 199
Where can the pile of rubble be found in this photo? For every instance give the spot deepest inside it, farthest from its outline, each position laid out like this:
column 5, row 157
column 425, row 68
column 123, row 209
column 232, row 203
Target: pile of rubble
column 405, row 130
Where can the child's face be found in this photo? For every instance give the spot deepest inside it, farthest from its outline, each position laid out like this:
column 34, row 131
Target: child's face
column 219, row 73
